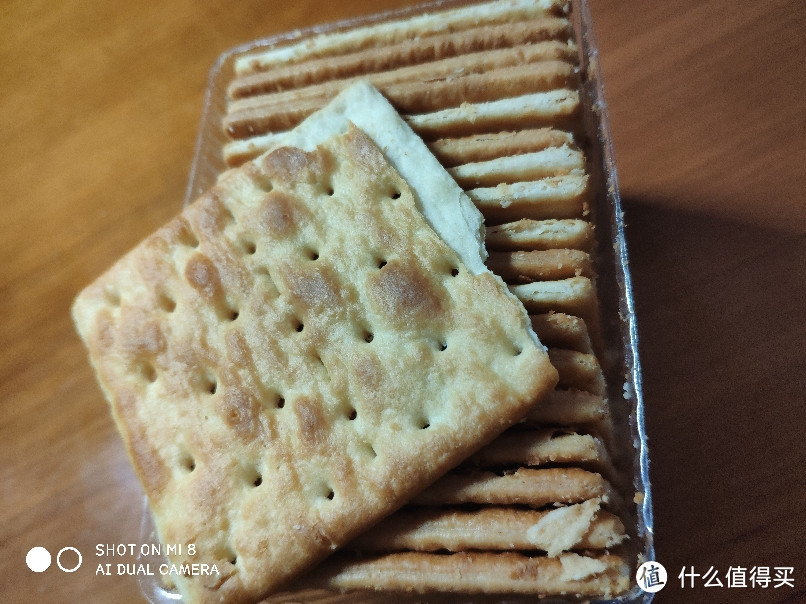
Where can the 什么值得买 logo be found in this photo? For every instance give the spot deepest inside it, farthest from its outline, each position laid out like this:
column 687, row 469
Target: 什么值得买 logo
column 651, row 576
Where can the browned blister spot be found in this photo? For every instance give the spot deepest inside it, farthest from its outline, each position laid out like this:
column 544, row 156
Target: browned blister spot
column 293, row 165
column 364, row 150
column 238, row 352
column 153, row 268
column 240, row 410
column 285, row 163
column 368, row 371
column 207, row 490
column 280, row 214
column 103, row 332
column 313, row 288
column 145, row 456
column 203, row 276
column 312, row 425
column 367, row 376
column 140, row 334
column 211, row 214
column 403, row 293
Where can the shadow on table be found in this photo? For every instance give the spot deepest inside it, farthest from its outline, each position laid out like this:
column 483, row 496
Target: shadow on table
column 721, row 323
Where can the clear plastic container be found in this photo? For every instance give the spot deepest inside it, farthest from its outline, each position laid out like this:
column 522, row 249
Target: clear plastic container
column 615, row 291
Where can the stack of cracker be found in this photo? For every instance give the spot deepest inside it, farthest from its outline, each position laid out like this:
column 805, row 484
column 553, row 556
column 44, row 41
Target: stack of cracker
column 493, row 90
column 369, row 358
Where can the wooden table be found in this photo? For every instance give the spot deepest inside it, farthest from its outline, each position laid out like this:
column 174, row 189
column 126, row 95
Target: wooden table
column 100, row 104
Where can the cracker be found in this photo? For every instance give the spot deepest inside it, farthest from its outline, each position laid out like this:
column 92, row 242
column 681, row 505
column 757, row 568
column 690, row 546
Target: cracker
column 526, row 111
column 395, row 31
column 559, row 330
column 239, row 151
column 482, row 147
column 578, row 370
column 526, row 234
column 554, row 197
column 525, row 486
column 264, row 88
column 449, row 151
column 540, row 265
column 284, row 110
column 401, row 54
column 562, row 528
column 494, row 528
column 574, row 296
column 529, row 110
column 532, row 448
column 570, row 408
column 297, row 354
column 485, row 572
column 578, row 410
column 534, row 165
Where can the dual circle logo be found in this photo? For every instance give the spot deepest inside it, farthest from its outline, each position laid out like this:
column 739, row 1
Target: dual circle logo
column 39, row 559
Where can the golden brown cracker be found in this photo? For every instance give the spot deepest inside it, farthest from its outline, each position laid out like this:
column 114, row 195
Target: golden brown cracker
column 486, row 572
column 282, row 378
column 492, row 528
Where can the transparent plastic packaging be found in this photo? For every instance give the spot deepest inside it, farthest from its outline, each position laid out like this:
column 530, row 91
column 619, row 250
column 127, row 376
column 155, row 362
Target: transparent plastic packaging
column 614, row 283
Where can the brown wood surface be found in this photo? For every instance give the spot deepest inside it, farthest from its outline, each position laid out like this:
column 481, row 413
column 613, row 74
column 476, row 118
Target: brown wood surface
column 100, row 104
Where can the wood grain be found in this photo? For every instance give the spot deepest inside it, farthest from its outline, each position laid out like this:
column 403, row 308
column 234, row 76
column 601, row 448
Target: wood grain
column 101, row 103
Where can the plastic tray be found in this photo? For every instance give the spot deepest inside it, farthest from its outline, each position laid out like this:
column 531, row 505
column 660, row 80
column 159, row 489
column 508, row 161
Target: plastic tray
column 623, row 369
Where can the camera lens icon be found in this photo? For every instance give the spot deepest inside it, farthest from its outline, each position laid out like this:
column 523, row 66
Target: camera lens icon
column 38, row 559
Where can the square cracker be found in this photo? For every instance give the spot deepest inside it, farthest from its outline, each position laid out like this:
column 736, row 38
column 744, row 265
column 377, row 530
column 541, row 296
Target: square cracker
column 296, row 355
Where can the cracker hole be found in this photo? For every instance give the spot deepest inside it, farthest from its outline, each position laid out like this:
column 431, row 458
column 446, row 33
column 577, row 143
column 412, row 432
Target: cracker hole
column 188, row 463
column 229, row 555
column 258, row 480
column 311, row 254
column 280, row 403
column 368, row 336
column 330, row 495
column 330, row 191
column 395, row 194
column 188, row 238
column 148, row 371
column 517, row 350
column 233, row 314
column 208, row 383
column 229, row 215
column 454, row 272
column 166, row 303
column 425, row 424
column 249, row 246
column 380, row 263
column 352, row 414
column 443, row 345
column 299, row 326
column 263, row 182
